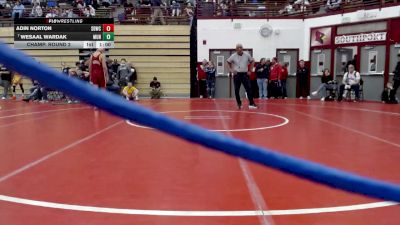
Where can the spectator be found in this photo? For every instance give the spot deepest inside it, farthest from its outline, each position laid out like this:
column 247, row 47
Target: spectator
column 189, row 13
column 157, row 12
column 38, row 92
column 133, row 77
column 155, row 92
column 301, row 5
column 114, row 66
column 351, row 62
column 302, row 80
column 106, row 3
column 274, row 78
column 35, row 2
column 351, row 81
column 262, row 72
column 284, row 76
column 326, row 84
column 5, row 81
column 210, row 71
column 17, row 80
column 287, row 10
column 396, row 77
column 130, row 92
column 333, row 4
column 70, row 13
column 176, row 8
column 52, row 14
column 18, row 10
column 124, row 73
column 387, row 96
column 2, row 4
column 36, row 11
column 89, row 11
column 202, row 77
column 223, row 8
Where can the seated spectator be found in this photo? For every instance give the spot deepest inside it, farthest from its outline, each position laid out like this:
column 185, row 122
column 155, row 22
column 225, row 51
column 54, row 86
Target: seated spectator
column 81, row 72
column 124, row 73
column 38, row 93
column 155, row 92
column 18, row 10
column 35, row 2
column 287, row 10
column 301, row 5
column 387, row 95
column 333, row 4
column 326, row 84
column 36, row 11
column 2, row 4
column 351, row 81
column 89, row 11
column 176, row 8
column 52, row 14
column 223, row 8
column 5, row 81
column 106, row 3
column 70, row 13
column 130, row 92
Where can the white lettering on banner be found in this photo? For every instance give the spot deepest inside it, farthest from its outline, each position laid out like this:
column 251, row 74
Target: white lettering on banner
column 346, row 39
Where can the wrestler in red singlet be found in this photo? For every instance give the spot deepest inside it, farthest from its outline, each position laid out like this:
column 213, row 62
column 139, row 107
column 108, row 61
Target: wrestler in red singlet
column 98, row 69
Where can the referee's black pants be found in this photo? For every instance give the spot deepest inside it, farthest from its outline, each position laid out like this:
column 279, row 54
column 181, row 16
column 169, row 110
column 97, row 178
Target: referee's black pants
column 238, row 80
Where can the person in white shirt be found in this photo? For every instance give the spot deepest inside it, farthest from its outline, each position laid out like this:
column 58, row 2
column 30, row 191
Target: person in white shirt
column 36, row 11
column 351, row 81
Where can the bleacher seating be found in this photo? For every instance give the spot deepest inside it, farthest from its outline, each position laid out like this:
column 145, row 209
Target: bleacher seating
column 161, row 51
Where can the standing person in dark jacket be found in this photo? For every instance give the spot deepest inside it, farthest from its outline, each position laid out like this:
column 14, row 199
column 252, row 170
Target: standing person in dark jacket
column 210, row 71
column 284, row 76
column 5, row 81
column 262, row 72
column 302, row 79
column 396, row 78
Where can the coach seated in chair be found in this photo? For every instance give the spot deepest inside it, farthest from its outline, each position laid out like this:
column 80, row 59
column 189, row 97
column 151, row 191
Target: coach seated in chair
column 328, row 86
column 38, row 93
column 351, row 81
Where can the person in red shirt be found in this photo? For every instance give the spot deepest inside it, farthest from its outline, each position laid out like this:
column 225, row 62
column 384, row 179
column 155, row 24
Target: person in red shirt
column 201, row 77
column 284, row 76
column 275, row 78
column 253, row 81
column 98, row 68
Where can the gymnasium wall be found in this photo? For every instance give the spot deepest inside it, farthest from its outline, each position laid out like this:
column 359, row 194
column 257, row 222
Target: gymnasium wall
column 293, row 33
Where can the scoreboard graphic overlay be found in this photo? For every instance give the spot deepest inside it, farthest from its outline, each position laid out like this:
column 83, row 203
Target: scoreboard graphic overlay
column 63, row 33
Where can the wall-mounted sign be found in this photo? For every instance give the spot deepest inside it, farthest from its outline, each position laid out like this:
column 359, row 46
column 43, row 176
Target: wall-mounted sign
column 321, row 36
column 358, row 38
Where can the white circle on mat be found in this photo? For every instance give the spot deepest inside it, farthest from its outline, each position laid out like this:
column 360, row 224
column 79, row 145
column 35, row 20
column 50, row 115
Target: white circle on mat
column 284, row 120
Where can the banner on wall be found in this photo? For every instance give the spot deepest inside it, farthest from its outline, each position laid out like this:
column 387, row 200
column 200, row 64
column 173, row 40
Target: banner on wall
column 358, row 38
column 321, row 36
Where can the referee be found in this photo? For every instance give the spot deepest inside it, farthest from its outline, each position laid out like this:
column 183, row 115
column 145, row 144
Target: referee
column 238, row 66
